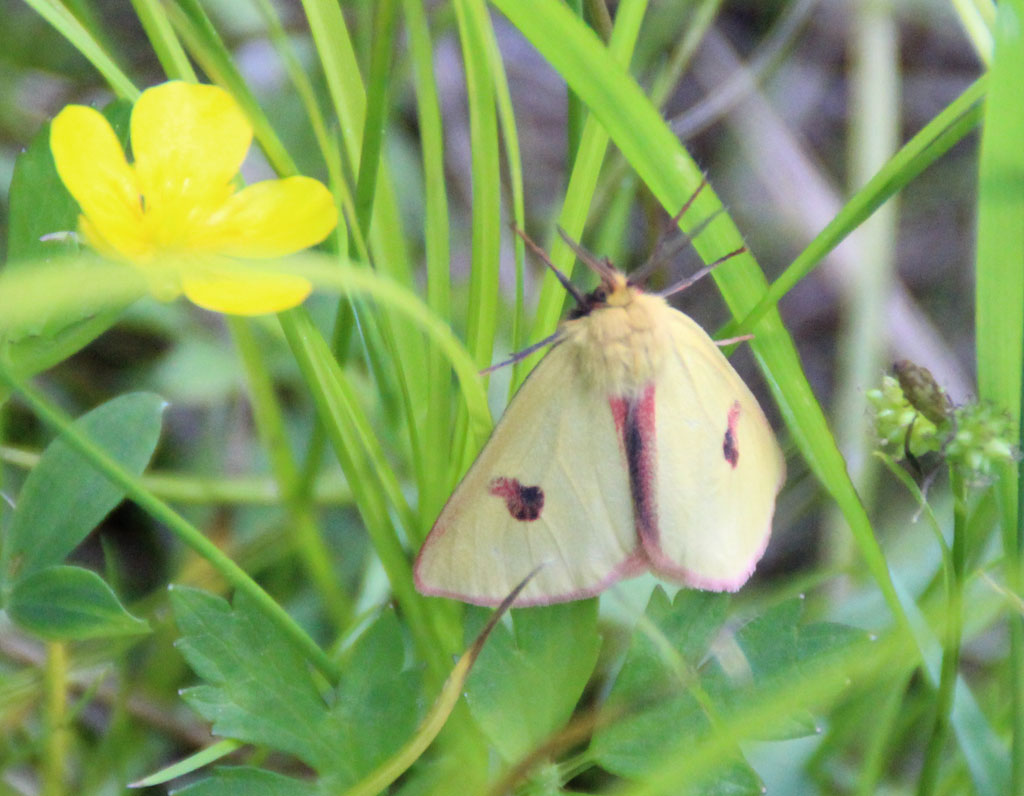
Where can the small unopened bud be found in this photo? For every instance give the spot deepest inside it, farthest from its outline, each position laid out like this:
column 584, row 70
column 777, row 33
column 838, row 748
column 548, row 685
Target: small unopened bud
column 923, row 392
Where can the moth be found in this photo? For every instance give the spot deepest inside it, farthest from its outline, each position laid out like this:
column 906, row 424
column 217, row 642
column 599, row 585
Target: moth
column 633, row 446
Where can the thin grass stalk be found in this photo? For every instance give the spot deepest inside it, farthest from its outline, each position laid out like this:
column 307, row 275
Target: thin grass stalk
column 55, row 751
column 884, row 722
column 482, row 301
column 303, row 86
column 160, row 32
column 481, row 21
column 433, row 488
column 65, row 23
column 863, row 345
column 1015, row 584
column 383, row 44
column 269, row 420
column 952, row 639
column 204, row 41
column 947, row 128
column 579, row 194
column 335, row 407
column 575, row 111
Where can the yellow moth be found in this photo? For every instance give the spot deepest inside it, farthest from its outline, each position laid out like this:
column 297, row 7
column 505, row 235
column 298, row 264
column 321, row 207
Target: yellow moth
column 633, row 446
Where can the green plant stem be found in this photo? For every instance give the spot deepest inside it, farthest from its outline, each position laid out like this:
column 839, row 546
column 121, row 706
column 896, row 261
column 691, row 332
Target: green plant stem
column 270, row 425
column 55, row 763
column 951, row 642
column 863, row 343
column 879, row 744
column 176, row 524
column 253, row 490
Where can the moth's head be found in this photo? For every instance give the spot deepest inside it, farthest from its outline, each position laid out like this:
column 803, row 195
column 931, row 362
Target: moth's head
column 615, row 290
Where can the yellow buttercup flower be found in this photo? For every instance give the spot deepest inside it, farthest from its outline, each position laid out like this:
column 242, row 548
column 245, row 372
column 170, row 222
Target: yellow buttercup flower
column 175, row 211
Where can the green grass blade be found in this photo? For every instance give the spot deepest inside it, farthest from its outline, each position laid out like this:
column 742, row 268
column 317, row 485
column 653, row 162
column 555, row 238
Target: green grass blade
column 437, row 422
column 639, row 131
column 999, row 302
column 208, row 48
column 376, row 110
column 586, row 170
column 482, row 303
column 68, row 26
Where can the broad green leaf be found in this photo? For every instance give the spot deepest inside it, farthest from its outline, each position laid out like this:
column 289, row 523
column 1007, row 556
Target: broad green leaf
column 732, row 778
column 232, row 781
column 70, row 603
column 652, row 688
column 41, row 206
column 259, row 689
column 64, row 498
column 525, row 685
column 667, row 691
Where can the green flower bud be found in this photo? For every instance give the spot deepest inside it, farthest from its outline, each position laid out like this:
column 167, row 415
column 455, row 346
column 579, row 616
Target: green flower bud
column 895, row 416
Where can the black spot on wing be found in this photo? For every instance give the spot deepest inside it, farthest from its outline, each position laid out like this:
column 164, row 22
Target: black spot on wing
column 730, row 447
column 524, row 503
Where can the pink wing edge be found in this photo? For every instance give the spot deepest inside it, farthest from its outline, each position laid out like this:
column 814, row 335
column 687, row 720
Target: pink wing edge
column 665, row 567
column 635, row 564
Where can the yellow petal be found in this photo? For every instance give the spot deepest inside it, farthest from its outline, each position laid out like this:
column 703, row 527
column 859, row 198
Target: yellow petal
column 189, row 142
column 270, row 219
column 255, row 293
column 91, row 163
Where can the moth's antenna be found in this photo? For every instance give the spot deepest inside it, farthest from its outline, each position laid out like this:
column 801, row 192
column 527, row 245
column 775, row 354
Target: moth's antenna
column 658, row 253
column 543, row 255
column 640, row 275
column 520, row 355
column 707, row 269
column 603, row 268
column 663, row 252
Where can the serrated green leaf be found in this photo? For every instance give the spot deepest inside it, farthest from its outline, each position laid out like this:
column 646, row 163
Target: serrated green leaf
column 770, row 645
column 376, row 703
column 259, row 688
column 770, row 640
column 652, row 686
column 779, row 651
column 524, row 687
column 64, row 497
column 70, row 603
column 232, row 781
